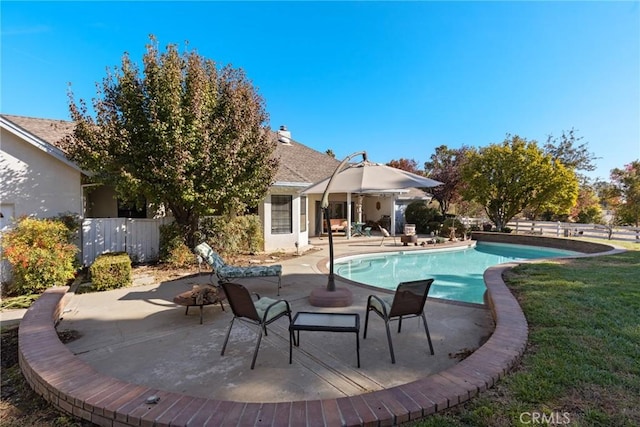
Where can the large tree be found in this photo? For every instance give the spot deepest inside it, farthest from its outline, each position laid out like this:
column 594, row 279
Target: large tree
column 570, row 152
column 445, row 165
column 627, row 183
column 409, row 165
column 182, row 133
column 509, row 177
column 574, row 154
column 587, row 209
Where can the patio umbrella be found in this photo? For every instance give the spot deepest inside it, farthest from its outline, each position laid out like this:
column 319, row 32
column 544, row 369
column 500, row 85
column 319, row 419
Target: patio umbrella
column 367, row 177
column 364, row 177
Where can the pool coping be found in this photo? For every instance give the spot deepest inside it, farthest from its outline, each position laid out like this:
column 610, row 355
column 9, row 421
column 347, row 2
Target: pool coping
column 73, row 386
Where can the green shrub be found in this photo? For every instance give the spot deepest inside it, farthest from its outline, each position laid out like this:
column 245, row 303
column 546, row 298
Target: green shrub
column 242, row 234
column 40, row 254
column 111, row 271
column 180, row 256
column 422, row 216
column 450, row 222
column 590, row 215
column 173, row 249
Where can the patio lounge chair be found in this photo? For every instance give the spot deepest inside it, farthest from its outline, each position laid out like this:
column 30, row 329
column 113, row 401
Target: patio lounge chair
column 225, row 272
column 261, row 312
column 386, row 234
column 408, row 301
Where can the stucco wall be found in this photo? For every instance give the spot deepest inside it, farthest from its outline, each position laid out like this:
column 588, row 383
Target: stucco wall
column 287, row 241
column 35, row 182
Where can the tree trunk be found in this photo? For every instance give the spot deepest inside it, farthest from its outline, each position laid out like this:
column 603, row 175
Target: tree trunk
column 188, row 221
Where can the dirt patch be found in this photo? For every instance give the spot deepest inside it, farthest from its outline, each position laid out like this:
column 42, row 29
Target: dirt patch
column 19, row 405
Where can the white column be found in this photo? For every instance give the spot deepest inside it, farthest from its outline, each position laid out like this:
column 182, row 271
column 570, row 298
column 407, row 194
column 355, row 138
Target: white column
column 348, row 230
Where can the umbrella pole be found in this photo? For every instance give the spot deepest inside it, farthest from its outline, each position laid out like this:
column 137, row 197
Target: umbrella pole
column 331, row 296
column 331, row 284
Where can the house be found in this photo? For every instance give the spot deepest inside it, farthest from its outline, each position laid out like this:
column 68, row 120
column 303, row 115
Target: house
column 38, row 180
column 285, row 213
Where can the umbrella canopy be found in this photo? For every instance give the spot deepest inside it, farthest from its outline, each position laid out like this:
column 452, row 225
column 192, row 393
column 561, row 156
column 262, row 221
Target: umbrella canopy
column 360, row 178
column 367, row 177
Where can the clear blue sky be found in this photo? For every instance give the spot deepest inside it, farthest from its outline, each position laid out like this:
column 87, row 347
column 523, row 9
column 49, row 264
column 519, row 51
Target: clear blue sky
column 394, row 78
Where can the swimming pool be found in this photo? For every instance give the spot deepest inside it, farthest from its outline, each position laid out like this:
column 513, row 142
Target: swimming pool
column 458, row 273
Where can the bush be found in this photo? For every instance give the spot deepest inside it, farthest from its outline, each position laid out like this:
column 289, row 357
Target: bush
column 173, row 249
column 180, row 256
column 424, row 217
column 111, row 271
column 242, row 234
column 460, row 229
column 590, row 215
column 40, row 254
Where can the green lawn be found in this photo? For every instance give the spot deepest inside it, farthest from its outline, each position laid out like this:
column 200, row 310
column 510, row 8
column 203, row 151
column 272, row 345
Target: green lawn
column 582, row 362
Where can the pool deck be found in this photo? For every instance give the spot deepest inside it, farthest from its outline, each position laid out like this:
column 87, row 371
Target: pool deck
column 135, row 344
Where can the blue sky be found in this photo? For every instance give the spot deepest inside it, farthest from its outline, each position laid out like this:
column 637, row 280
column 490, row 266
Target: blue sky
column 396, row 79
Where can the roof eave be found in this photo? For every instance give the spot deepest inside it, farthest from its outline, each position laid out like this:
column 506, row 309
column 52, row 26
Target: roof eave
column 40, row 144
column 291, row 184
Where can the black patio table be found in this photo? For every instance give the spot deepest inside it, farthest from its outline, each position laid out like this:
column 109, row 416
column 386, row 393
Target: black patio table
column 327, row 322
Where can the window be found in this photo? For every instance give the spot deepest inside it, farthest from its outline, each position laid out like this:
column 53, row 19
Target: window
column 303, row 213
column 281, row 214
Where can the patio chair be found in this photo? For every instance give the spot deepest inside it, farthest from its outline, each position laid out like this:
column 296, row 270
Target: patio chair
column 386, row 234
column 224, row 272
column 262, row 312
column 408, row 301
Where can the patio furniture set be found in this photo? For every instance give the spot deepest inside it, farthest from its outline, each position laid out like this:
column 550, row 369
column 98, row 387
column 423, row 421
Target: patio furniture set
column 408, row 301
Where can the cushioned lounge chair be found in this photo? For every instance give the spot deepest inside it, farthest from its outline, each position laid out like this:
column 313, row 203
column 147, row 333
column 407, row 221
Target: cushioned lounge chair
column 261, row 312
column 225, row 272
column 408, row 301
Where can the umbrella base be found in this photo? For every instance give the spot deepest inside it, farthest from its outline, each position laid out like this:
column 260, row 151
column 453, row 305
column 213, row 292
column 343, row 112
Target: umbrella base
column 321, row 297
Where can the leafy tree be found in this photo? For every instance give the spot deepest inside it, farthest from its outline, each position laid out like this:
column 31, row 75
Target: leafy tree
column 627, row 183
column 183, row 133
column 587, row 208
column 576, row 156
column 445, row 166
column 408, row 165
column 569, row 153
column 467, row 208
column 509, row 177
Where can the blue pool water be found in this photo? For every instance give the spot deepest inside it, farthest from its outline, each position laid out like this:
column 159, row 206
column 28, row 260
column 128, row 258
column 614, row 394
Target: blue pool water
column 458, row 273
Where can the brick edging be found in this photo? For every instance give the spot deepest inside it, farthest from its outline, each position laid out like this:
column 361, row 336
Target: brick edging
column 73, row 386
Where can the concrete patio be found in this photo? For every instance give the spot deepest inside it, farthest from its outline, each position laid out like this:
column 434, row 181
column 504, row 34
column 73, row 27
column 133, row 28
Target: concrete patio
column 140, row 336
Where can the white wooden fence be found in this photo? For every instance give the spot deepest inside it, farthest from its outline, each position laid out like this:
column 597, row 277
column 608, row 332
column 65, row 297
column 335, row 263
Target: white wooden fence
column 570, row 229
column 140, row 238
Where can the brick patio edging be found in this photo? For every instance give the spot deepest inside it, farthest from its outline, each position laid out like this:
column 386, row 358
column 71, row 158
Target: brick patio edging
column 73, row 386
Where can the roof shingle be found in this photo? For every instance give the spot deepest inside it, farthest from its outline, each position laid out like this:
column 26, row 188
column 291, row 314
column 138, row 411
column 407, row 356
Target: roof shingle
column 298, row 163
column 48, row 130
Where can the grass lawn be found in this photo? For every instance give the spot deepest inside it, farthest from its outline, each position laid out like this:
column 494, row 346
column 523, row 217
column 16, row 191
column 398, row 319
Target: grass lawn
column 582, row 362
